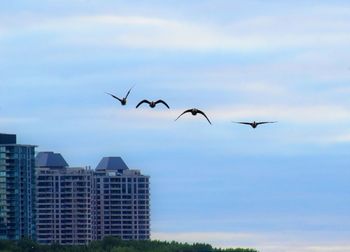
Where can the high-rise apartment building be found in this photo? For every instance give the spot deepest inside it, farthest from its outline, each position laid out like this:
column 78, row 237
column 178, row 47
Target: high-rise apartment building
column 17, row 189
column 63, row 201
column 42, row 198
column 120, row 201
column 77, row 205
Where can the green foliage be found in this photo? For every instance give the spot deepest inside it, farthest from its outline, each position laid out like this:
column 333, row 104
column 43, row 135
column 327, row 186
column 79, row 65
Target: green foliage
column 7, row 246
column 112, row 244
column 123, row 249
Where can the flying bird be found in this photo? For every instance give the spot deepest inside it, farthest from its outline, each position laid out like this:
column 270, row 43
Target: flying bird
column 122, row 100
column 194, row 112
column 253, row 124
column 152, row 104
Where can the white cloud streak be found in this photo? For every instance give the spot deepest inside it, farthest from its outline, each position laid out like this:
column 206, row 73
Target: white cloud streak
column 17, row 120
column 336, row 138
column 245, row 35
column 248, row 34
column 298, row 114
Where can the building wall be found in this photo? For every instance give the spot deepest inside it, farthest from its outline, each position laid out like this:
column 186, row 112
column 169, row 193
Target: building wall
column 76, row 205
column 121, row 205
column 71, row 206
column 17, row 191
column 64, row 206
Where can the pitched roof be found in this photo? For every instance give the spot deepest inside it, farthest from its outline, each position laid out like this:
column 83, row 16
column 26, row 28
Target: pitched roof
column 112, row 163
column 50, row 159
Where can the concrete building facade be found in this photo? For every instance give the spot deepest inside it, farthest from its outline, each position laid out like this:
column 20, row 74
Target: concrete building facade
column 78, row 205
column 63, row 201
column 121, row 205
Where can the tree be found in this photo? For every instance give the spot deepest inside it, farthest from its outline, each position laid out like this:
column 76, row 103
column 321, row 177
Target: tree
column 124, row 249
column 113, row 244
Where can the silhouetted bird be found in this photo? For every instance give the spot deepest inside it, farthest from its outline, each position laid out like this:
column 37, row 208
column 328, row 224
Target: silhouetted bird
column 152, row 104
column 253, row 124
column 194, row 112
column 123, row 100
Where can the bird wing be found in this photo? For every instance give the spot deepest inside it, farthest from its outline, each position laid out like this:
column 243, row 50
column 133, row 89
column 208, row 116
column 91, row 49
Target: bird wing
column 201, row 112
column 258, row 123
column 163, row 102
column 143, row 101
column 246, row 123
column 115, row 97
column 186, row 111
column 127, row 94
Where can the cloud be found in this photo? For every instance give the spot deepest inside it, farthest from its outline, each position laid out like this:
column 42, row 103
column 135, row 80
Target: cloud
column 17, row 120
column 243, row 35
column 298, row 114
column 336, row 138
column 145, row 32
column 140, row 32
column 295, row 114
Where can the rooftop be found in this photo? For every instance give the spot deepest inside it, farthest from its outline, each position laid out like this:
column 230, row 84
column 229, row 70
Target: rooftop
column 112, row 163
column 50, row 159
column 8, row 138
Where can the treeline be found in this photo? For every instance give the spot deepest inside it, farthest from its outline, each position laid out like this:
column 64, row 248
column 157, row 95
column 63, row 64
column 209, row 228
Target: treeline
column 112, row 244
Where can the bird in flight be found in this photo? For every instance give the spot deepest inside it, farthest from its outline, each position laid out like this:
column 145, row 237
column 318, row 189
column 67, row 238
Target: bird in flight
column 122, row 100
column 253, row 124
column 152, row 104
column 194, row 112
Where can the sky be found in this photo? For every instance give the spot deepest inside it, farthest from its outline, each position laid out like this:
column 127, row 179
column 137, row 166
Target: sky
column 282, row 187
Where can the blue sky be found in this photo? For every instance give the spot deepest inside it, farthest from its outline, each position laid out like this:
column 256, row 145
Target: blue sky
column 282, row 187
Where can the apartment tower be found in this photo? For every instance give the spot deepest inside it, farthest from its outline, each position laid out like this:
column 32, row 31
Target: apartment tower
column 17, row 189
column 63, row 201
column 120, row 201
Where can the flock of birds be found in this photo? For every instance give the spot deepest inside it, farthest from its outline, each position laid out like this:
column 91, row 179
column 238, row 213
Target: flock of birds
column 193, row 111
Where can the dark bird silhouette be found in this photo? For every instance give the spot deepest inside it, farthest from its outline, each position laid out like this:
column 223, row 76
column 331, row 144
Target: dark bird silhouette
column 253, row 124
column 122, row 100
column 152, row 104
column 194, row 112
